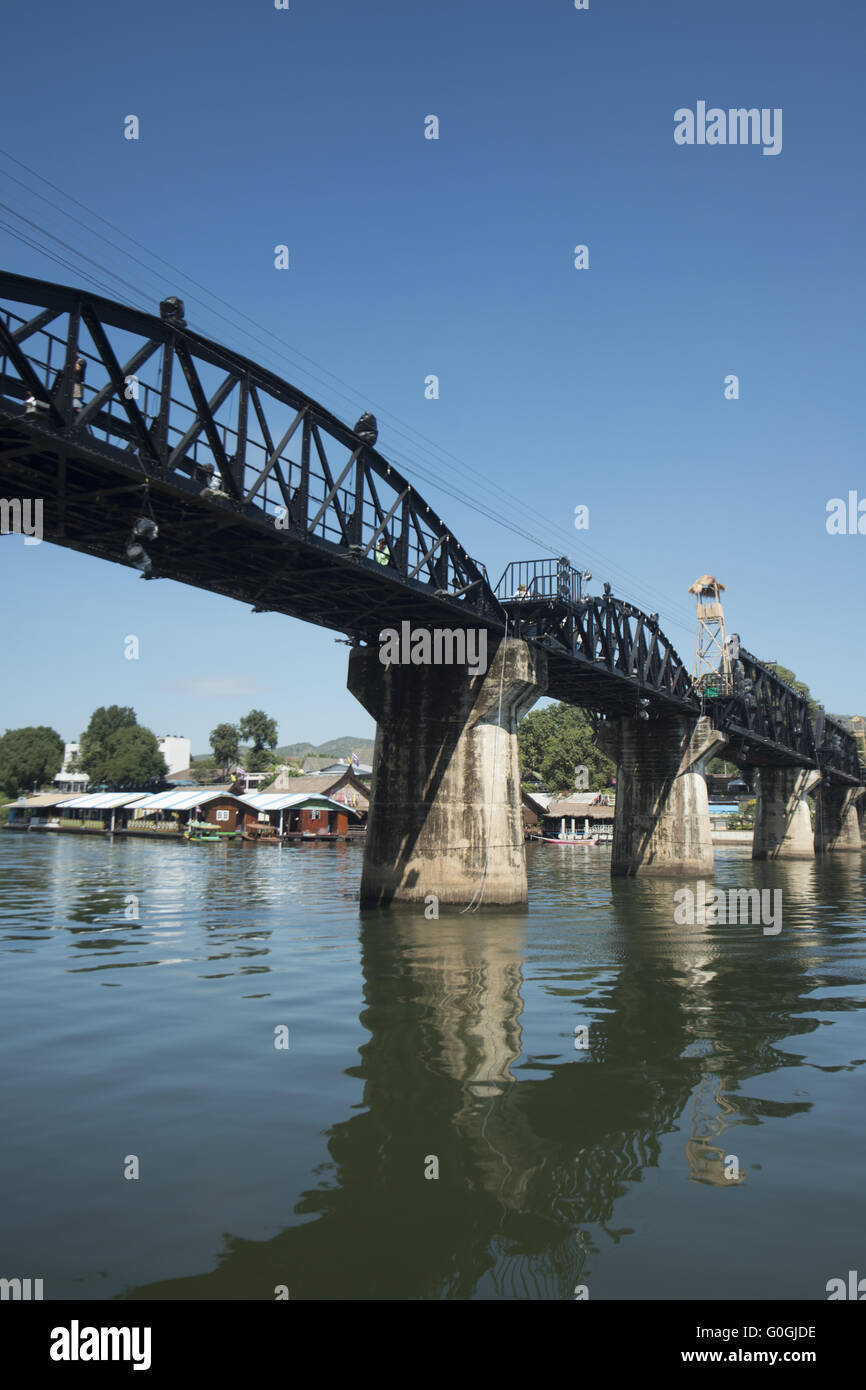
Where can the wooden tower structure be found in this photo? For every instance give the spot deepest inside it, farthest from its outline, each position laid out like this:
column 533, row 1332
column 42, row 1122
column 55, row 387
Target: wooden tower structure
column 711, row 672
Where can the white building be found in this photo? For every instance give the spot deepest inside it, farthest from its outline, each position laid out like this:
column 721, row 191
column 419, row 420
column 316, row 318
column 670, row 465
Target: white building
column 69, row 779
column 177, row 752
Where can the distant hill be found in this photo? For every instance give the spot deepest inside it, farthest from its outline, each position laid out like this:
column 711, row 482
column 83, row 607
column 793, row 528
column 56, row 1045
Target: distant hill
column 334, row 748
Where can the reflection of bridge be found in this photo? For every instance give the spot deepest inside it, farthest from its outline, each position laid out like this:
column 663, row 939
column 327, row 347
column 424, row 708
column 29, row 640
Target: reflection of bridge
column 189, row 462
column 541, row 1146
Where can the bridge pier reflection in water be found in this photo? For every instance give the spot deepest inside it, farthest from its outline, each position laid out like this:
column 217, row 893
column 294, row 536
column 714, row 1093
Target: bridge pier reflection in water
column 547, row 1155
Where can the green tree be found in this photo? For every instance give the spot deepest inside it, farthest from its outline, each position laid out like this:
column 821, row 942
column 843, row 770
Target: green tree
column 225, row 742
column 105, row 722
column 118, row 751
column 257, row 729
column 263, row 761
column 789, row 678
column 29, row 758
column 555, row 742
column 134, row 759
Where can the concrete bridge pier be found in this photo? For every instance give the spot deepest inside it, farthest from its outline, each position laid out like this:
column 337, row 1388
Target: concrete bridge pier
column 446, row 816
column 837, row 824
column 662, row 822
column 783, row 821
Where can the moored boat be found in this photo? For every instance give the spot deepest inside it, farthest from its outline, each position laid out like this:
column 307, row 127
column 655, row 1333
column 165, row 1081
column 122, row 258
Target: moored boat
column 567, row 839
column 197, row 831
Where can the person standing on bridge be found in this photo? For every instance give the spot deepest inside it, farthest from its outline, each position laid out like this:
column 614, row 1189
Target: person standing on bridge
column 78, row 374
column 79, row 368
column 213, row 487
column 367, row 429
column 383, row 554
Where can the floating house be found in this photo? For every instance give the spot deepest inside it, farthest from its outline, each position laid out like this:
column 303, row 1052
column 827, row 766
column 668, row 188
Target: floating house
column 170, row 812
column 259, row 816
column 92, row 812
column 35, row 811
column 579, row 813
column 292, row 816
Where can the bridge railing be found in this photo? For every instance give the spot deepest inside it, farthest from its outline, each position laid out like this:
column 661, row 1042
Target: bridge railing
column 545, row 601
column 537, row 579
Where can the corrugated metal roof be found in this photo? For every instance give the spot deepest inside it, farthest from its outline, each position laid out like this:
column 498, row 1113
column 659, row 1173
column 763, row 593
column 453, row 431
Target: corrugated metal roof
column 182, row 799
column 41, row 799
column 281, row 801
column 100, row 801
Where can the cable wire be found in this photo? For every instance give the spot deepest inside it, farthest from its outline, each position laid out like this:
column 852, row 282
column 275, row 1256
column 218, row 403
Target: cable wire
column 427, row 446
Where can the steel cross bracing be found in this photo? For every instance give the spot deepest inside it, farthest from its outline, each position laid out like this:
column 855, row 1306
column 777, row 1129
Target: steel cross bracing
column 302, row 502
column 768, row 722
column 298, row 508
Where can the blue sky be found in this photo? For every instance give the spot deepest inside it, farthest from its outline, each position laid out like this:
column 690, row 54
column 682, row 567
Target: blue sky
column 558, row 387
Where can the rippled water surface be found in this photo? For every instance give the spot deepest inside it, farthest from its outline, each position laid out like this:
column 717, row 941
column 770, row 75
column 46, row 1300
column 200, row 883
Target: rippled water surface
column 413, row 1040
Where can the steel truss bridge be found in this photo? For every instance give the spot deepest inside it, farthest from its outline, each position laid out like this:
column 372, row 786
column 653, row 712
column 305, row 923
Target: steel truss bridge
column 225, row 477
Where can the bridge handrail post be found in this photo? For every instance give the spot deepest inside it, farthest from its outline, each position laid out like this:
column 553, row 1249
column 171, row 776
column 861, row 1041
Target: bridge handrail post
column 64, row 398
column 356, row 528
column 303, row 492
column 239, row 459
column 160, row 427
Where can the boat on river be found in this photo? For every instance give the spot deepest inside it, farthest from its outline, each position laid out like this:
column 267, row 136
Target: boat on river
column 578, row 838
column 200, row 830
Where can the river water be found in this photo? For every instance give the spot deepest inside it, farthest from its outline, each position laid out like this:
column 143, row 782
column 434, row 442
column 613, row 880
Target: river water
column 707, row 1142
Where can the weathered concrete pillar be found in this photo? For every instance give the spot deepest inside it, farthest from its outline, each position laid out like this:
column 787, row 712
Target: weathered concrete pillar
column 783, row 821
column 837, row 825
column 662, row 822
column 445, row 808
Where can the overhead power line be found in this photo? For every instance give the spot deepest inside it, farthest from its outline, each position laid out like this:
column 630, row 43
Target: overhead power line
column 437, row 456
